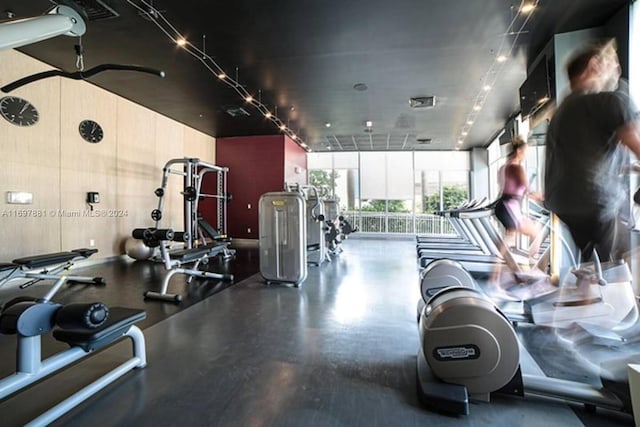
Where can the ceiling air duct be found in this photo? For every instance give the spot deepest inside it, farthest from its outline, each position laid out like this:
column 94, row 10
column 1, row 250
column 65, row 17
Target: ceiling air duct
column 422, row 102
column 96, row 10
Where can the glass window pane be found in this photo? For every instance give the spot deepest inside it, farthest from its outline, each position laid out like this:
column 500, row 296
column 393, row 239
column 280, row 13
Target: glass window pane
column 399, row 216
column 442, row 160
column 347, row 189
column 345, row 160
column 373, row 175
column 494, row 151
column 323, row 180
column 319, row 161
column 429, row 201
column 455, row 188
column 399, row 176
column 534, row 166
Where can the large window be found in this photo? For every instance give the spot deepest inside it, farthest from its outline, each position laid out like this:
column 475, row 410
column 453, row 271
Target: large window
column 337, row 176
column 495, row 160
column 394, row 192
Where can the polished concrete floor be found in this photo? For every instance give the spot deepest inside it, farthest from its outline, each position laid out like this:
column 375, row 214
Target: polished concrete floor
column 338, row 351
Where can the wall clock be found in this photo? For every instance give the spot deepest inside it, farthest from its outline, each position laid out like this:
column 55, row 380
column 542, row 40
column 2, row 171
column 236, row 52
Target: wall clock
column 90, row 131
column 18, row 111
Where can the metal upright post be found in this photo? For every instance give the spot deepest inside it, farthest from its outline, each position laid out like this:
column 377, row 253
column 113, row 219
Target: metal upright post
column 188, row 229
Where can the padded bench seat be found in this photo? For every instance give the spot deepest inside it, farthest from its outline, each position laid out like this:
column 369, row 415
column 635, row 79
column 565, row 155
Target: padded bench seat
column 119, row 320
column 85, row 252
column 43, row 260
column 188, row 255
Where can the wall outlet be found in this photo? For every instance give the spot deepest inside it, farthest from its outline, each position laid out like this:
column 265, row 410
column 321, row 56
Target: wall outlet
column 19, row 197
column 92, row 242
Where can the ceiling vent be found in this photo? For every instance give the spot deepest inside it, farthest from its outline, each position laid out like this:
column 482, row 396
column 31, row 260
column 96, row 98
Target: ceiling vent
column 423, row 102
column 96, row 10
column 237, row 112
column 424, row 141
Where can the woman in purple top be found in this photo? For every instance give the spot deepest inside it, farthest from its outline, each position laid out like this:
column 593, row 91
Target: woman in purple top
column 514, row 186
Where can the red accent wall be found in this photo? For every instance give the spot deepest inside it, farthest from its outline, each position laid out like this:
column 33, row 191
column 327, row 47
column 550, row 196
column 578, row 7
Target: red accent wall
column 257, row 165
column 295, row 163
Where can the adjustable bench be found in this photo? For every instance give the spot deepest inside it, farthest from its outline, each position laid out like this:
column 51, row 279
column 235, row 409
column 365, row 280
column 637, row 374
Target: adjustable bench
column 174, row 260
column 47, row 267
column 85, row 327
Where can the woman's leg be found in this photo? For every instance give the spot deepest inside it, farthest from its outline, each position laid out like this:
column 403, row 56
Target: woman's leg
column 531, row 229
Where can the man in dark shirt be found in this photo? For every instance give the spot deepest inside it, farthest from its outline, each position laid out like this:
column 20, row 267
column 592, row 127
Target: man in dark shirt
column 585, row 155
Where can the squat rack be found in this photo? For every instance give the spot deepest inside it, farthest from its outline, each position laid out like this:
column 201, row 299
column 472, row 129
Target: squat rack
column 193, row 170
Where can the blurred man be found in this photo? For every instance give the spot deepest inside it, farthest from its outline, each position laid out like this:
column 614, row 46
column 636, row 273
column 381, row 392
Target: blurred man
column 584, row 185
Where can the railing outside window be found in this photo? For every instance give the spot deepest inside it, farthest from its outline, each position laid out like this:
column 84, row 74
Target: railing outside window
column 379, row 222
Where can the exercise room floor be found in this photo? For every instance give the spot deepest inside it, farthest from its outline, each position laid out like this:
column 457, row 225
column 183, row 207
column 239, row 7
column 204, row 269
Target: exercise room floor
column 338, row 351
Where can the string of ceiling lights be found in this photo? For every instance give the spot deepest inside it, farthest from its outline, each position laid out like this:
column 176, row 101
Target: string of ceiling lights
column 154, row 15
column 491, row 76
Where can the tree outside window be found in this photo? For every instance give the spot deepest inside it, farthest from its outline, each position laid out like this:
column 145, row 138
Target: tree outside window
column 452, row 196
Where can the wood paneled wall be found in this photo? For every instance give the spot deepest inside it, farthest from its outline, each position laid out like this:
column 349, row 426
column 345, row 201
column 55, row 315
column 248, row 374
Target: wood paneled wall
column 51, row 161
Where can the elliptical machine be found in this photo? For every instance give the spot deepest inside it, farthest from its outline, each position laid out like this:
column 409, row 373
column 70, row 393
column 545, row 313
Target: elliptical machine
column 469, row 351
column 598, row 296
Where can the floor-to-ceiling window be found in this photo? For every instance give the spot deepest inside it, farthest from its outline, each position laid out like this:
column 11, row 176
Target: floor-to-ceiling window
column 387, row 196
column 495, row 160
column 393, row 192
column 441, row 183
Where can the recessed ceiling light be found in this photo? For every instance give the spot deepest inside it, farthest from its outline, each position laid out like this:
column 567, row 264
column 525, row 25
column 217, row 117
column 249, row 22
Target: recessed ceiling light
column 368, row 123
column 527, row 7
column 327, row 124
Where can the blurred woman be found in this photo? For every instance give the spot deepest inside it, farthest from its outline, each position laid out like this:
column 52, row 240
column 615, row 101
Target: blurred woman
column 514, row 186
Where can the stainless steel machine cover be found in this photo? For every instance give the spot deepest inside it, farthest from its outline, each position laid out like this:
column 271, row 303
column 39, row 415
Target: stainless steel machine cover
column 283, row 237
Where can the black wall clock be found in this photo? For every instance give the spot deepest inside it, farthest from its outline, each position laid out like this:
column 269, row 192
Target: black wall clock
column 18, row 111
column 91, row 131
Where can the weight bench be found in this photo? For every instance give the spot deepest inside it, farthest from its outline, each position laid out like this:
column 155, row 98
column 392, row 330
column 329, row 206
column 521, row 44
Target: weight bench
column 85, row 327
column 174, row 260
column 214, row 235
column 47, row 267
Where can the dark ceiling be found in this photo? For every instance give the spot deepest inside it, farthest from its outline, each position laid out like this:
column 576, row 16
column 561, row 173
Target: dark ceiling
column 301, row 60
